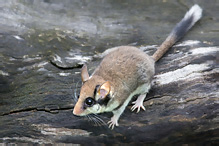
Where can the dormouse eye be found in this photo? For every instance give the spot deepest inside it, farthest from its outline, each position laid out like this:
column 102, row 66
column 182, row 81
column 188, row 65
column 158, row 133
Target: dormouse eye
column 78, row 95
column 89, row 101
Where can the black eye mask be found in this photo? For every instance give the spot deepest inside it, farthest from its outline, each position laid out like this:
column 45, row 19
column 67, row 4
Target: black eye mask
column 95, row 90
column 89, row 101
column 104, row 101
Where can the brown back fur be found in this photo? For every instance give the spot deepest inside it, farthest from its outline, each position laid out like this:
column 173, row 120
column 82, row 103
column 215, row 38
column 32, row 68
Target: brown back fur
column 126, row 68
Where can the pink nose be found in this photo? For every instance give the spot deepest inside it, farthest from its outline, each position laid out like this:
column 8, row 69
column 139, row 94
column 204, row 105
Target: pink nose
column 77, row 110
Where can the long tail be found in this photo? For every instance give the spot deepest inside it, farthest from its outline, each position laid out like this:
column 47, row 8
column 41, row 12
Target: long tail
column 190, row 18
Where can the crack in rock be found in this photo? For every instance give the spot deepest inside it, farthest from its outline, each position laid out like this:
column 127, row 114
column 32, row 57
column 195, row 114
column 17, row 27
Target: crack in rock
column 46, row 109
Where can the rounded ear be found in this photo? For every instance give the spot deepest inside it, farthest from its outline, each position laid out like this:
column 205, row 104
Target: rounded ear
column 84, row 73
column 104, row 89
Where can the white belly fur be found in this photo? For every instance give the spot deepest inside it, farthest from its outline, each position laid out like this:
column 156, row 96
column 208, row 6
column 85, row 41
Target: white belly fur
column 143, row 89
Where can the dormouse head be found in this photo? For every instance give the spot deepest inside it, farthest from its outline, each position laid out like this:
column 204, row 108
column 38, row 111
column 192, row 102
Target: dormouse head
column 94, row 95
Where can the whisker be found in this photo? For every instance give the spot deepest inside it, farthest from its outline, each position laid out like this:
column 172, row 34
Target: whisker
column 70, row 86
column 73, row 96
column 102, row 123
column 96, row 123
column 77, row 86
column 75, row 91
column 89, row 119
column 96, row 119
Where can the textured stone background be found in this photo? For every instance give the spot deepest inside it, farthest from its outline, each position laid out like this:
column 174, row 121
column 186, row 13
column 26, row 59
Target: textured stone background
column 43, row 45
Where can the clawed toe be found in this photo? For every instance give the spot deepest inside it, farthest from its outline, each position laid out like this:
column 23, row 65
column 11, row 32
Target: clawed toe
column 112, row 124
column 138, row 107
column 133, row 108
column 138, row 104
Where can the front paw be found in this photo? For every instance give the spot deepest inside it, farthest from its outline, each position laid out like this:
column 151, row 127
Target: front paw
column 137, row 105
column 113, row 122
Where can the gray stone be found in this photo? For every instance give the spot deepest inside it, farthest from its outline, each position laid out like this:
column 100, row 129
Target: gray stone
column 43, row 45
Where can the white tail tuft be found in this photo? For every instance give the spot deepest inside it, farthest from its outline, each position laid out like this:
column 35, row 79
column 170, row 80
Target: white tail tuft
column 195, row 12
column 190, row 18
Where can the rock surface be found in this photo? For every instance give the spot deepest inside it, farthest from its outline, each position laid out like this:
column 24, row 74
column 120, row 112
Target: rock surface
column 40, row 61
